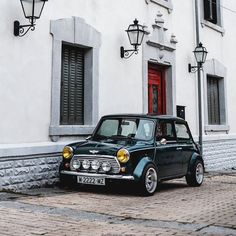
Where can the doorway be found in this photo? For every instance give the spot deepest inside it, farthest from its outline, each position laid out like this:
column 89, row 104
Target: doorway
column 156, row 90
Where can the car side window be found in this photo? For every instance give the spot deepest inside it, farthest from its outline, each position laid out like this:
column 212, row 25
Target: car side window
column 182, row 132
column 165, row 130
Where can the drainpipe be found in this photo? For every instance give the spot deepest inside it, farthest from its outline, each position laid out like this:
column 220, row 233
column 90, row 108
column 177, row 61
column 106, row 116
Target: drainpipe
column 199, row 79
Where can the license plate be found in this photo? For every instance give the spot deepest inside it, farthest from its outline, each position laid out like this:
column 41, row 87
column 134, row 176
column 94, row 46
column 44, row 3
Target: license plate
column 90, row 180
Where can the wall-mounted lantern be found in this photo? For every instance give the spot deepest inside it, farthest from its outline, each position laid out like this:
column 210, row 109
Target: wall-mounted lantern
column 200, row 54
column 135, row 33
column 32, row 10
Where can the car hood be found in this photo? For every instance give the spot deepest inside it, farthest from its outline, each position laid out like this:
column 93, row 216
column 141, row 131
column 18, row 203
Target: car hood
column 107, row 148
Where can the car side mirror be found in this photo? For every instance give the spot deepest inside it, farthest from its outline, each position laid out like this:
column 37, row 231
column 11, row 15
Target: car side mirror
column 163, row 141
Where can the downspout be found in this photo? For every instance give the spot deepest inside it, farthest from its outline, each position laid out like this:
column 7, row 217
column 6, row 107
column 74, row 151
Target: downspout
column 199, row 79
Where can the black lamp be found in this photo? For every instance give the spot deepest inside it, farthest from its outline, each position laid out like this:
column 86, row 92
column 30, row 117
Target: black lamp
column 32, row 10
column 135, row 33
column 200, row 54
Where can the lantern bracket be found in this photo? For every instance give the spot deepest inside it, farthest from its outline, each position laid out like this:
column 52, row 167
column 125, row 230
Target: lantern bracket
column 193, row 69
column 127, row 53
column 21, row 30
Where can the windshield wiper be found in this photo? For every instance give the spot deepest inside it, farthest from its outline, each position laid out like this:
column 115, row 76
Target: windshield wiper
column 122, row 137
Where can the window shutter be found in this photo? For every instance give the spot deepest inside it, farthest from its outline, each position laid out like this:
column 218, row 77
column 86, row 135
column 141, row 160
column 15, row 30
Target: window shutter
column 213, row 101
column 72, row 86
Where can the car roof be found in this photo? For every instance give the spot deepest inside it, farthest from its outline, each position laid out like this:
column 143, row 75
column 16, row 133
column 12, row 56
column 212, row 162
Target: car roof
column 150, row 116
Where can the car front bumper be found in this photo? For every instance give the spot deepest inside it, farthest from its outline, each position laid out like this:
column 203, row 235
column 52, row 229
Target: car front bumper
column 117, row 177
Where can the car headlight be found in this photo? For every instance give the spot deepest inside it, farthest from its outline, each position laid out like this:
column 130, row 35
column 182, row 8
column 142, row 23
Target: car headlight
column 67, row 152
column 95, row 165
column 76, row 164
column 123, row 155
column 106, row 166
column 86, row 164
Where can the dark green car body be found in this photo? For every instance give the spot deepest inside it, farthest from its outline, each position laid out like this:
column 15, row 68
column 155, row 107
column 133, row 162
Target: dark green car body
column 168, row 148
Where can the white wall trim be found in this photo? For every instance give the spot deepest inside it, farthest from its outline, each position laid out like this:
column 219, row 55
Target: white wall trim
column 163, row 3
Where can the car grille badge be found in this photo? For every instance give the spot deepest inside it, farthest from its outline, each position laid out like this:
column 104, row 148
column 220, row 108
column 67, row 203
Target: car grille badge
column 94, row 151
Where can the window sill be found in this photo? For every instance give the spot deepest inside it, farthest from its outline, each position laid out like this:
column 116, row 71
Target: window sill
column 213, row 26
column 164, row 3
column 70, row 130
column 216, row 128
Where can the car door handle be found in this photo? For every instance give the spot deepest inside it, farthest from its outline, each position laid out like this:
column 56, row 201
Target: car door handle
column 179, row 148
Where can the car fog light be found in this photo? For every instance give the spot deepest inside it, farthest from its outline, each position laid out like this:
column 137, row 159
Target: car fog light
column 95, row 165
column 86, row 164
column 106, row 166
column 76, row 164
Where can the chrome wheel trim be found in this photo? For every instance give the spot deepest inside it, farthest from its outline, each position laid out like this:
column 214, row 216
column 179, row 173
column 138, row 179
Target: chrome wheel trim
column 199, row 173
column 151, row 180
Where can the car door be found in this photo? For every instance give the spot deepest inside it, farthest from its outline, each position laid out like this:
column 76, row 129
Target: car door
column 185, row 144
column 168, row 162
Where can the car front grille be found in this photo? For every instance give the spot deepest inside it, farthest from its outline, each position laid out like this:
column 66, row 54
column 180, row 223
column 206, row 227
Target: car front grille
column 115, row 166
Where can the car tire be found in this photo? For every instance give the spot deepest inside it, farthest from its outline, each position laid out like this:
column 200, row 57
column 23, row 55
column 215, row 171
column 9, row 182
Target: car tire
column 149, row 180
column 195, row 177
column 65, row 181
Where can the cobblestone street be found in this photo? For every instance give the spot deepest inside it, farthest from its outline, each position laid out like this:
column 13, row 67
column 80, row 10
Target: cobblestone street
column 175, row 209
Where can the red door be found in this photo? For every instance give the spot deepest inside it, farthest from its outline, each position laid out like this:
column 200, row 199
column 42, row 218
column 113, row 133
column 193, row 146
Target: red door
column 156, row 91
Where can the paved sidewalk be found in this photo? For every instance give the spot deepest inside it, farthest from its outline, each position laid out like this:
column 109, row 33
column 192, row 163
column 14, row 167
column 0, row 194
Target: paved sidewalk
column 175, row 209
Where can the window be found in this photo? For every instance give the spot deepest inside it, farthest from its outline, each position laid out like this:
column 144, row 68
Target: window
column 210, row 11
column 119, row 128
column 165, row 130
column 211, row 15
column 75, row 78
column 215, row 94
column 72, row 86
column 213, row 100
column 182, row 132
column 108, row 128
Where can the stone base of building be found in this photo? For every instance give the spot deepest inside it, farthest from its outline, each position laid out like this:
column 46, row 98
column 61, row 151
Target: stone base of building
column 31, row 172
column 219, row 155
column 29, row 166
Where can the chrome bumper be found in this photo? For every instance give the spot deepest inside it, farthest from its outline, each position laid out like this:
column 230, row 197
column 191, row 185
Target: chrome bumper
column 119, row 177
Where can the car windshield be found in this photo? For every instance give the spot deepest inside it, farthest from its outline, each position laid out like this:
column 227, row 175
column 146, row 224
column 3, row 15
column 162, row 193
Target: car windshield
column 125, row 128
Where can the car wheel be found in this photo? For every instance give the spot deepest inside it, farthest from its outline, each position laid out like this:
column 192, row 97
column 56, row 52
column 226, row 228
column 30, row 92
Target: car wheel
column 149, row 180
column 196, row 175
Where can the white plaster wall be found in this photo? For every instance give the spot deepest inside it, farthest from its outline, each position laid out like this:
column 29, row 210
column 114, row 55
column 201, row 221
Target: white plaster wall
column 229, row 59
column 186, row 84
column 25, row 67
column 25, row 63
column 25, row 70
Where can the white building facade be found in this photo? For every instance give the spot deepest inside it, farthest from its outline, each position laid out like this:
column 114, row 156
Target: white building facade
column 57, row 81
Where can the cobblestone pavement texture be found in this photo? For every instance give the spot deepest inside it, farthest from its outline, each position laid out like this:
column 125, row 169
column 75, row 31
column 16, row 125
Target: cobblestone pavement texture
column 175, row 209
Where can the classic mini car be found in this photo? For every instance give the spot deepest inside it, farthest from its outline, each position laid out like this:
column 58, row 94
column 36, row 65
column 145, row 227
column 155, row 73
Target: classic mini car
column 141, row 148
